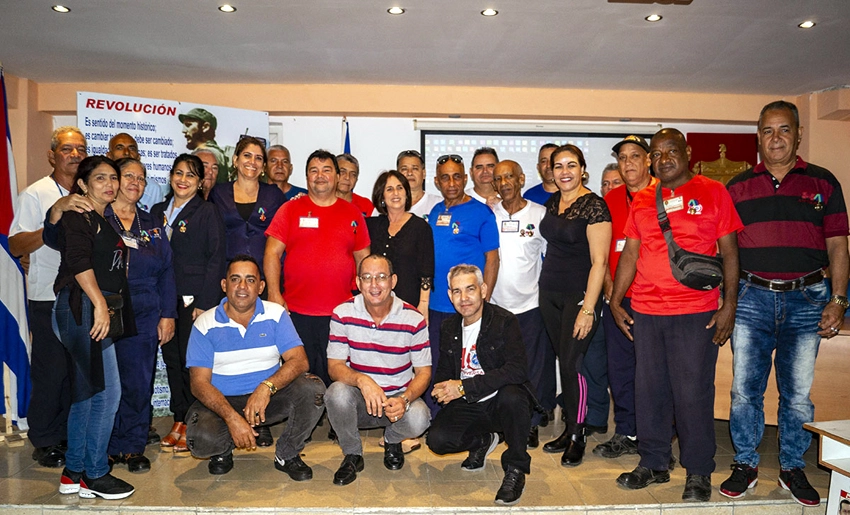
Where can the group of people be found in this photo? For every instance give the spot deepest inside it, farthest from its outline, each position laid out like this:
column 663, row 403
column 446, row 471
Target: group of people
column 438, row 315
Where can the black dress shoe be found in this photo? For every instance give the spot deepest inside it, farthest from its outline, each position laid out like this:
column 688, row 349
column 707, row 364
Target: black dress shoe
column 697, row 488
column 264, row 437
column 347, row 472
column 153, row 436
column 332, row 434
column 221, row 464
column 547, row 417
column 52, row 456
column 641, row 477
column 533, row 438
column 295, row 468
column 112, row 459
column 574, row 454
column 558, row 444
column 393, row 456
column 512, row 486
column 589, row 430
column 137, row 462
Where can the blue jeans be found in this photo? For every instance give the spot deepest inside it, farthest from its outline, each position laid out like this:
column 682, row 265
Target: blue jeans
column 89, row 421
column 786, row 322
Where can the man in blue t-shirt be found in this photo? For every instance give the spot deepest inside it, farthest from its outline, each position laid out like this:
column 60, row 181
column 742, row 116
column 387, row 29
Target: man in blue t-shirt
column 234, row 357
column 465, row 232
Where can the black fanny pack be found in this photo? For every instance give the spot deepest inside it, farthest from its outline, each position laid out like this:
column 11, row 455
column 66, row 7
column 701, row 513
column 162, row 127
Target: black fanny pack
column 694, row 270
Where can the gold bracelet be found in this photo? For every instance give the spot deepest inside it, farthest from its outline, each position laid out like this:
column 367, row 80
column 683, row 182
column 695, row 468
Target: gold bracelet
column 588, row 312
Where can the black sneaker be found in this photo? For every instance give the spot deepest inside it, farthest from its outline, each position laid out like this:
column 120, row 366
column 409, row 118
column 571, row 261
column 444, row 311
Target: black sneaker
column 512, row 486
column 477, row 456
column 802, row 492
column 742, row 479
column 264, row 437
column 106, row 486
column 617, row 446
column 69, row 482
column 294, row 467
column 697, row 488
column 221, row 464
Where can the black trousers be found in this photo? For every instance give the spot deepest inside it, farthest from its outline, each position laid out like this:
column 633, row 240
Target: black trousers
column 674, row 380
column 174, row 355
column 435, row 320
column 594, row 368
column 538, row 350
column 621, row 371
column 459, row 425
column 50, row 399
column 314, row 332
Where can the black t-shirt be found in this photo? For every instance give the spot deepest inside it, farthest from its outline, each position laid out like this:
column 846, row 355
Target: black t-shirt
column 411, row 251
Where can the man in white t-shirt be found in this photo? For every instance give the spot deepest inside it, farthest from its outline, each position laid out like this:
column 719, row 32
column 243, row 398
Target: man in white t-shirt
column 49, row 362
column 482, row 383
column 484, row 161
column 410, row 164
column 521, row 250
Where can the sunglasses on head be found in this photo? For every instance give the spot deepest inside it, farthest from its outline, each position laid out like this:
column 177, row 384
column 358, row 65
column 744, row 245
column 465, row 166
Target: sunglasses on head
column 409, row 153
column 454, row 157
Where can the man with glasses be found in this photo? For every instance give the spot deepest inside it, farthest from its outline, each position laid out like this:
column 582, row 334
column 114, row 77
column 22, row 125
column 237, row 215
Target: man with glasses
column 484, row 161
column 51, row 389
column 349, row 171
column 380, row 361
column 410, row 164
column 464, row 231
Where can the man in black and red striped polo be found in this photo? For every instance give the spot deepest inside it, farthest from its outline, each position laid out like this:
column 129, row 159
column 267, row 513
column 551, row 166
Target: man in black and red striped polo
column 792, row 293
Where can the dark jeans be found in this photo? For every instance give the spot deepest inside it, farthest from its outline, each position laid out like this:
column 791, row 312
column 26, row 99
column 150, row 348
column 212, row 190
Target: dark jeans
column 621, row 371
column 174, row 355
column 459, row 425
column 50, row 399
column 301, row 403
column 594, row 368
column 674, row 379
column 560, row 310
column 538, row 349
column 314, row 332
column 435, row 320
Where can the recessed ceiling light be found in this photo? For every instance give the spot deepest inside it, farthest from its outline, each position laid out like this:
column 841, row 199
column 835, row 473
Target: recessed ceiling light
column 489, row 12
column 807, row 24
column 395, row 10
column 227, row 8
column 653, row 18
column 60, row 9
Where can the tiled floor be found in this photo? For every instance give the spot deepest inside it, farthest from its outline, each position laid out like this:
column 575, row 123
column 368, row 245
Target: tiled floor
column 427, row 483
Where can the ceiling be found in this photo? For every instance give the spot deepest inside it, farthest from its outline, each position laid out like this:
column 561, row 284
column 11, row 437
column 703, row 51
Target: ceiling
column 734, row 46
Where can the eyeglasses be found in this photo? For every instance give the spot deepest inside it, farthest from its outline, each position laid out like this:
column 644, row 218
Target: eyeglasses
column 409, row 153
column 454, row 157
column 381, row 278
column 133, row 178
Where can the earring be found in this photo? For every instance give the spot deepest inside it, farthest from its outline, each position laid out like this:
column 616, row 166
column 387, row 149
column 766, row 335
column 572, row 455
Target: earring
column 585, row 175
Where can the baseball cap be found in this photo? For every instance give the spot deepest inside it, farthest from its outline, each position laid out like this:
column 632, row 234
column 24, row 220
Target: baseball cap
column 637, row 140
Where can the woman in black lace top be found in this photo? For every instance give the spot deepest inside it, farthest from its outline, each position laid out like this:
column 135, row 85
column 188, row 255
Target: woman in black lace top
column 577, row 228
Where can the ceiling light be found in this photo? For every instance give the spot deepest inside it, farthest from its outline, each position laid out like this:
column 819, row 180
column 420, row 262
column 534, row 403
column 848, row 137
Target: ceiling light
column 489, row 12
column 60, row 9
column 807, row 24
column 227, row 8
column 395, row 10
column 653, row 18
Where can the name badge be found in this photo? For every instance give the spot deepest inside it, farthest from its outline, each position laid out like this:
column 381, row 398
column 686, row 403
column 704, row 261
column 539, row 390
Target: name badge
column 309, row 222
column 674, row 204
column 130, row 242
column 510, row 225
column 444, row 220
column 621, row 244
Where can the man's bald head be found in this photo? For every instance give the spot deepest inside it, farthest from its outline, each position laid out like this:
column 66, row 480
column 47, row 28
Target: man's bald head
column 123, row 145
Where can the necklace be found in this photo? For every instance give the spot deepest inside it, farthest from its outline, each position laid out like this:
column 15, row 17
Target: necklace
column 143, row 238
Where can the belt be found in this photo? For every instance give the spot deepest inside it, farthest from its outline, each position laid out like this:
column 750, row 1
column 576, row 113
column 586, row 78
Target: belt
column 779, row 285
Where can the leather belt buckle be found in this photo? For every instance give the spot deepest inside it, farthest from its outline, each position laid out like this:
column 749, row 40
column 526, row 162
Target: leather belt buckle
column 777, row 285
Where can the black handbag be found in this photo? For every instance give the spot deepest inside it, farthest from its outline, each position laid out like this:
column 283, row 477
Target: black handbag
column 694, row 270
column 115, row 307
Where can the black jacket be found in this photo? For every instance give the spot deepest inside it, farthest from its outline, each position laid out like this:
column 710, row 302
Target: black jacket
column 501, row 353
column 198, row 250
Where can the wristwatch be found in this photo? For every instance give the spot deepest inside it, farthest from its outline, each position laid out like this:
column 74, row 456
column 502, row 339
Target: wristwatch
column 272, row 387
column 406, row 402
column 460, row 389
column 840, row 300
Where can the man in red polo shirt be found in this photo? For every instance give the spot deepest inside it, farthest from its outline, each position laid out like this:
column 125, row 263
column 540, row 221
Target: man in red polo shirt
column 676, row 328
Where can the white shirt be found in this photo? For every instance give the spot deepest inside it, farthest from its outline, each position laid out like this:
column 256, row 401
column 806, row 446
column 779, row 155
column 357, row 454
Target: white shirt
column 472, row 193
column 425, row 204
column 30, row 210
column 521, row 250
column 469, row 365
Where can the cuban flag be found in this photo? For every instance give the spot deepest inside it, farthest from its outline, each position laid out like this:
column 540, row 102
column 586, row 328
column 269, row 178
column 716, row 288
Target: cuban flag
column 346, row 139
column 14, row 331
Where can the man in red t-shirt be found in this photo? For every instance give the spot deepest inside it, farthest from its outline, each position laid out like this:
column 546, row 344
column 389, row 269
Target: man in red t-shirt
column 633, row 166
column 324, row 238
column 349, row 171
column 677, row 329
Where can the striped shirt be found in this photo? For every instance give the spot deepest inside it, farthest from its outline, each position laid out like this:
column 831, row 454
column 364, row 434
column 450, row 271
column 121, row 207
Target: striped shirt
column 387, row 352
column 786, row 223
column 240, row 357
